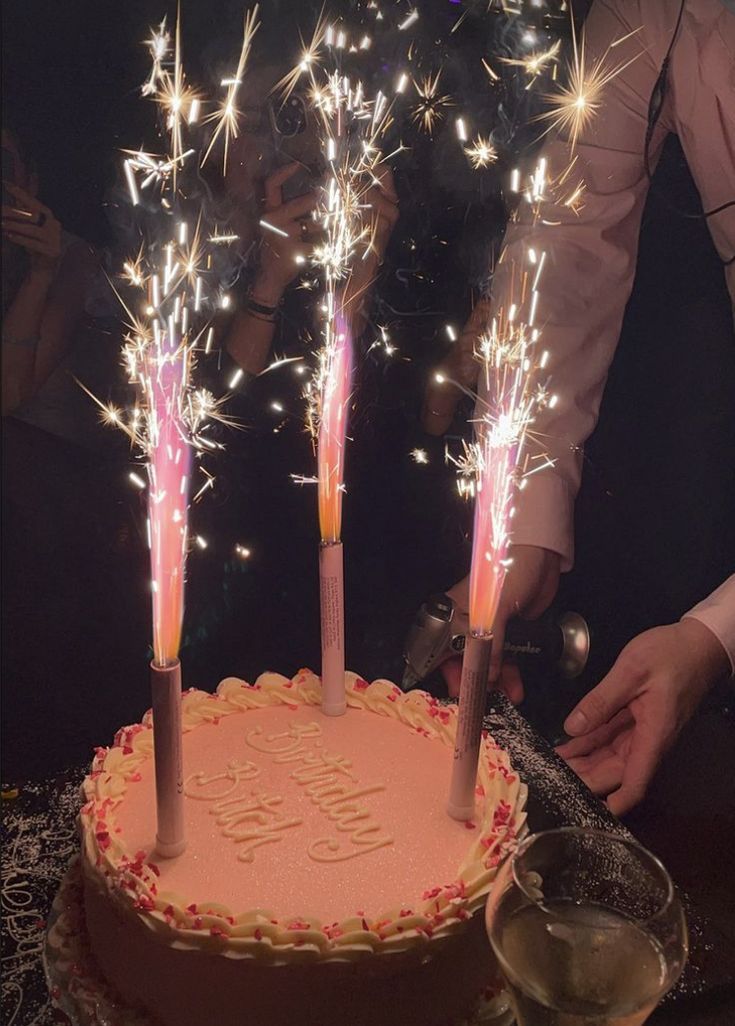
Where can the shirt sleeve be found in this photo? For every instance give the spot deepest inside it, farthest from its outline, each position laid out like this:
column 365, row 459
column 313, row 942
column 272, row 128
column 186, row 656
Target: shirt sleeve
column 717, row 612
column 589, row 264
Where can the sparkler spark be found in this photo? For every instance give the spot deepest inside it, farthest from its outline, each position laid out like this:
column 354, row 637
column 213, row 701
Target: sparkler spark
column 430, row 108
column 534, row 64
column 226, row 118
column 481, row 152
column 578, row 100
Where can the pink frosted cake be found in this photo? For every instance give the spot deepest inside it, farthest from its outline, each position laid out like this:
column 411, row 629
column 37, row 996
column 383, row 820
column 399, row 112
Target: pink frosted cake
column 322, row 883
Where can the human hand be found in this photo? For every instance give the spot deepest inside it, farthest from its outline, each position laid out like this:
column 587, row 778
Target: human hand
column 529, row 588
column 382, row 199
column 623, row 727
column 33, row 226
column 280, row 253
column 456, row 373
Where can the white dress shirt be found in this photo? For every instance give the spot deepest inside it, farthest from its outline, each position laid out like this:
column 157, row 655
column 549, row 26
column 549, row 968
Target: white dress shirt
column 591, row 255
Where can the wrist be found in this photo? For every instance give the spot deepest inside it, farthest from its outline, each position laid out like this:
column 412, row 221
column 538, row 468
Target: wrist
column 267, row 290
column 40, row 276
column 711, row 654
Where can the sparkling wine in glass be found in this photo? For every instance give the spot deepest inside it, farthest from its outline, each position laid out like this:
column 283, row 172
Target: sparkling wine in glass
column 587, row 929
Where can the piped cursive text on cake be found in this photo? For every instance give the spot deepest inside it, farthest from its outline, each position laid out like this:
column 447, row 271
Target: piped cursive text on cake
column 253, row 818
column 331, row 785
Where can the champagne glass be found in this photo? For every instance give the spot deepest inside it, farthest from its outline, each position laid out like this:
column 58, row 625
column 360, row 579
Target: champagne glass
column 587, row 928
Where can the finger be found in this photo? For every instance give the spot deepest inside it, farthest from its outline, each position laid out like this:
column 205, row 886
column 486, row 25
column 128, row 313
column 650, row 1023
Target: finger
column 386, row 209
column 298, row 207
column 30, row 244
column 274, row 183
column 15, row 190
column 601, row 704
column 603, row 777
column 18, row 214
column 386, row 183
column 511, row 683
column 452, row 670
column 644, row 756
column 496, row 655
column 586, row 743
column 32, row 231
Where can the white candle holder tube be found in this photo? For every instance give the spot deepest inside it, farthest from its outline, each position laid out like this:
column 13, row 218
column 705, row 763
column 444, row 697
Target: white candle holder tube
column 332, row 596
column 472, row 699
column 168, row 758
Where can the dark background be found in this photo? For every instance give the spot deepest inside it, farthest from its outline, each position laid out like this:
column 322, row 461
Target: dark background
column 656, row 516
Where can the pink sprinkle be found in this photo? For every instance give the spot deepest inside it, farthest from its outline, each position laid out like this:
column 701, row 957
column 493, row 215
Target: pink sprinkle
column 365, row 925
column 217, row 931
column 258, row 934
column 144, row 902
column 360, row 684
column 192, row 909
column 469, row 825
column 154, row 868
column 405, row 912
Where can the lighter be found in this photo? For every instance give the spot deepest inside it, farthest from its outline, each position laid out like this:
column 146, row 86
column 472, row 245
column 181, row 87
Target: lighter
column 439, row 628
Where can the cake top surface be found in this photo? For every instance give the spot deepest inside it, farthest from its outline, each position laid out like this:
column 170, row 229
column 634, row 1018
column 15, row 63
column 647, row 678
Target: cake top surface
column 327, row 834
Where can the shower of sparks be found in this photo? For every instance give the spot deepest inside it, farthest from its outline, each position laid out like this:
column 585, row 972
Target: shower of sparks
column 481, row 153
column 430, row 109
column 226, row 117
column 419, row 456
column 491, row 467
column 175, row 292
column 576, row 102
column 351, row 125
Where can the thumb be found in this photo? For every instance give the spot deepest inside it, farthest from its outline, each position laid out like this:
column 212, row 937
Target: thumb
column 600, row 705
column 496, row 656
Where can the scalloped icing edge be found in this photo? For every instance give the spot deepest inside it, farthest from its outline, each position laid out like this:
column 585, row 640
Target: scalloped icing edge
column 131, row 878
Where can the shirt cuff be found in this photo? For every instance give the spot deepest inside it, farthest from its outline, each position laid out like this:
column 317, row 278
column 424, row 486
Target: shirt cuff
column 717, row 612
column 544, row 516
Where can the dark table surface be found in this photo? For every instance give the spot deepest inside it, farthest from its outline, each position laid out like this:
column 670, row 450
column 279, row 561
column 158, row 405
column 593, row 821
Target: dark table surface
column 40, row 839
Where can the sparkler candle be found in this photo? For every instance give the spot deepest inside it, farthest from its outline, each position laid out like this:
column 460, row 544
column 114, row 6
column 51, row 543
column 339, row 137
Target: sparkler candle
column 330, row 475
column 351, row 127
column 175, row 270
column 169, row 473
column 492, row 463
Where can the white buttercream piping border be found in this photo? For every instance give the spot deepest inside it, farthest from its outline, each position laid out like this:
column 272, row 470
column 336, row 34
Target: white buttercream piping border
column 258, row 933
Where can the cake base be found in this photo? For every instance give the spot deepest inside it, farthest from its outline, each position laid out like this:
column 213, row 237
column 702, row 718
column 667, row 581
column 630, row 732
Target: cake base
column 78, row 987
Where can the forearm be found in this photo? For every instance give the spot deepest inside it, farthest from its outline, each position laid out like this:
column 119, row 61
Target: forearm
column 20, row 338
column 250, row 335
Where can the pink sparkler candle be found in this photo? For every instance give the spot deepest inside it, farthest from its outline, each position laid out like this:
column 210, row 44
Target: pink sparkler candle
column 504, row 415
column 489, row 551
column 336, row 386
column 166, row 364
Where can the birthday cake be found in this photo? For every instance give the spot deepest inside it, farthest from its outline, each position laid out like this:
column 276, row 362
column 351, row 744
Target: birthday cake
column 322, row 882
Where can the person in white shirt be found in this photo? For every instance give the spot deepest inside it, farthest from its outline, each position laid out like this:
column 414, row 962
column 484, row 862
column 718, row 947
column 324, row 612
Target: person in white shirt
column 682, row 80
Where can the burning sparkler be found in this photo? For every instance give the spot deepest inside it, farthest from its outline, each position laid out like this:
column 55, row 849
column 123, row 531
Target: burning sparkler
column 491, row 470
column 170, row 418
column 351, row 126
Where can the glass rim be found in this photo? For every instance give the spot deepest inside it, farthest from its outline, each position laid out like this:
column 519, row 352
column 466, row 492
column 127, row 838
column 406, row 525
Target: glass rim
column 629, row 842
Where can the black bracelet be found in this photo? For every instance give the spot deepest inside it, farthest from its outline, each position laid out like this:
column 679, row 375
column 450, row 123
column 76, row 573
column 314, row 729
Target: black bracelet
column 260, row 308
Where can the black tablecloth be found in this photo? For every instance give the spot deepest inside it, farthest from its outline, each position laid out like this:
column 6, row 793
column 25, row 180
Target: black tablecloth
column 40, row 839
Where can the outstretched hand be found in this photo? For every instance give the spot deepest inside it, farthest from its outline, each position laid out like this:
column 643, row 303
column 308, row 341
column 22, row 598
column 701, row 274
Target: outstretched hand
column 623, row 727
